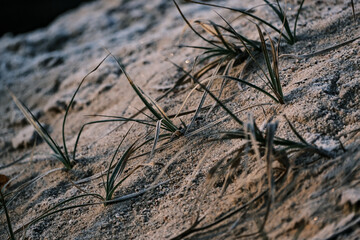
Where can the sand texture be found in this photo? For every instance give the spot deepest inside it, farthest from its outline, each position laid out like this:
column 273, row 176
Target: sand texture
column 315, row 197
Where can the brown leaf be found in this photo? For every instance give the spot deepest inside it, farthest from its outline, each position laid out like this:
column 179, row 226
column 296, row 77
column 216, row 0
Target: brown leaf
column 3, row 180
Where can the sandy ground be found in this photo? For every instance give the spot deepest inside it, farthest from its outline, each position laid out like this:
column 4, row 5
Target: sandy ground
column 318, row 198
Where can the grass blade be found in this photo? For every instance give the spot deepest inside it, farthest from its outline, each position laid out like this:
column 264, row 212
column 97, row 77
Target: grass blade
column 159, row 115
column 265, row 52
column 252, row 43
column 18, row 190
column 8, row 221
column 213, row 96
column 72, row 101
column 251, row 85
column 282, row 16
column 118, row 169
column 118, row 119
column 192, row 28
column 111, row 180
column 203, row 98
column 353, row 9
column 156, row 138
column 296, row 132
column 165, row 119
column 136, row 194
column 42, row 132
column 269, row 148
column 297, row 17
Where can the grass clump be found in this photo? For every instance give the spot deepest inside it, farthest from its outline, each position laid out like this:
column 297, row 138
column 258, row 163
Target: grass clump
column 111, row 185
column 115, row 170
column 266, row 152
column 271, row 77
column 223, row 48
column 228, row 53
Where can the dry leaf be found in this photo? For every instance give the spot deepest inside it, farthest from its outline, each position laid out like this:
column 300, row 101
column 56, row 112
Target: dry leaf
column 3, row 180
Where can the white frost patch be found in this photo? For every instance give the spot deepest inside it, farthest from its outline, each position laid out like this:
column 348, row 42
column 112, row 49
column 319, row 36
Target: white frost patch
column 350, row 195
column 324, row 142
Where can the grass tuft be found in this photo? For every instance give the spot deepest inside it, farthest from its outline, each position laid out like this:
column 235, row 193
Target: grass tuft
column 228, row 53
column 222, row 49
column 111, row 185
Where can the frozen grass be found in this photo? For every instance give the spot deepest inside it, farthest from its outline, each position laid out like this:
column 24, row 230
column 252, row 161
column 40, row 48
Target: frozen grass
column 8, row 220
column 221, row 54
column 273, row 87
column 260, row 146
column 112, row 183
column 43, row 133
column 59, row 154
column 241, row 133
column 228, row 53
column 222, row 50
column 290, row 35
column 159, row 119
column 150, row 104
column 11, row 195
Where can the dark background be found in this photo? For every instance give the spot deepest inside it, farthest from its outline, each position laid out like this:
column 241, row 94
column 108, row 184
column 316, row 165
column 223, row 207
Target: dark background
column 19, row 16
